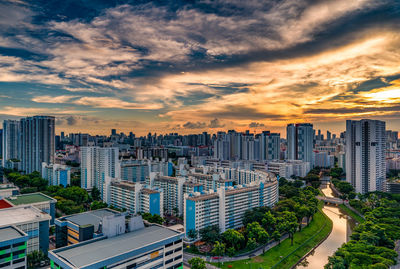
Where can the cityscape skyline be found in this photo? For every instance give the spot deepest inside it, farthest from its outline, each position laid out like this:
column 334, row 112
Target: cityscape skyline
column 187, row 67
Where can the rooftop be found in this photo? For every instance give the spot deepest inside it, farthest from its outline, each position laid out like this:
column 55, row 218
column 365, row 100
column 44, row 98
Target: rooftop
column 91, row 217
column 83, row 254
column 4, row 204
column 30, row 198
column 15, row 215
column 10, row 233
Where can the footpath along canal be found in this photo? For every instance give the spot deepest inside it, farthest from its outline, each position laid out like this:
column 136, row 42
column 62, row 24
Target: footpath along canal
column 341, row 231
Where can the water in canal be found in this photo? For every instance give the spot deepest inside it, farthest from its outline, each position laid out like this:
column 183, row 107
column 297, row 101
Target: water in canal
column 342, row 227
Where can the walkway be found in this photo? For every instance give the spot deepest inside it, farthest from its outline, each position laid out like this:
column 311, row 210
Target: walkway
column 258, row 251
column 331, row 200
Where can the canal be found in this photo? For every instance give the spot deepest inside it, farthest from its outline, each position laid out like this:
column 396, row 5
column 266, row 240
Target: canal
column 341, row 231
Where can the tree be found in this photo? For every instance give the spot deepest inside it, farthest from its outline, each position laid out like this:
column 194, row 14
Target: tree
column 251, row 244
column 34, row 258
column 254, row 230
column 301, row 212
column 197, row 263
column 231, row 251
column 192, row 234
column 269, row 222
column 218, row 249
column 210, row 234
column 95, row 193
column 289, row 224
column 233, row 238
column 255, row 214
column 276, row 236
column 98, row 205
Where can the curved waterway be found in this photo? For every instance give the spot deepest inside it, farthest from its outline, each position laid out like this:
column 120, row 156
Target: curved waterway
column 341, row 231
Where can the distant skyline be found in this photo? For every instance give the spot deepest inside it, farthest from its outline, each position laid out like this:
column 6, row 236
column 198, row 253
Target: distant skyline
column 201, row 66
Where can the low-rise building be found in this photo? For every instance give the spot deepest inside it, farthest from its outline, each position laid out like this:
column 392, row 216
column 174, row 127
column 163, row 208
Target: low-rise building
column 147, row 247
column 56, row 174
column 13, row 244
column 80, row 227
column 7, row 190
column 34, row 222
column 38, row 200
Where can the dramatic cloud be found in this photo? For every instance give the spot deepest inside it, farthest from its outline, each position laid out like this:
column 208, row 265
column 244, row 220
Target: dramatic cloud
column 212, row 64
column 256, row 125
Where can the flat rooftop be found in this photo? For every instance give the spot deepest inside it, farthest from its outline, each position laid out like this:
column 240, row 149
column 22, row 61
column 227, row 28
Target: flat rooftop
column 83, row 254
column 31, row 198
column 9, row 233
column 16, row 215
column 90, row 217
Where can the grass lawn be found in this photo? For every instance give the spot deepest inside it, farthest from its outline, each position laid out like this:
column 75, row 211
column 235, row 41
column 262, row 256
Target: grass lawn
column 275, row 254
column 352, row 214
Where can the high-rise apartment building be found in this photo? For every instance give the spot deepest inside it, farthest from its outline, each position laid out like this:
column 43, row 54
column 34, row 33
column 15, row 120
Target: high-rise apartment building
column 30, row 140
column 300, row 140
column 10, row 140
column 98, row 163
column 365, row 154
column 37, row 142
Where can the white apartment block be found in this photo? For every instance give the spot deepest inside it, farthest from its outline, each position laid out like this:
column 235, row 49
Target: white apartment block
column 135, row 197
column 98, row 163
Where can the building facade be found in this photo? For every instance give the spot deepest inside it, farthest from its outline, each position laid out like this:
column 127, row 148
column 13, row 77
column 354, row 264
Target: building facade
column 365, row 155
column 225, row 207
column 37, row 142
column 145, row 247
column 56, row 174
column 13, row 243
column 98, row 163
column 300, row 142
column 136, row 197
column 10, row 141
column 31, row 221
column 39, row 200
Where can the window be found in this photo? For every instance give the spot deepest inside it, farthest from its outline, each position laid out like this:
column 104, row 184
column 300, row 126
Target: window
column 16, row 253
column 18, row 260
column 5, row 247
column 18, row 244
column 5, row 255
column 168, row 245
column 5, row 264
column 169, row 261
column 178, row 257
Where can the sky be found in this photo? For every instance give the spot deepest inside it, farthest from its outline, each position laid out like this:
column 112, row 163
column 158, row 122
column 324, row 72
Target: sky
column 193, row 66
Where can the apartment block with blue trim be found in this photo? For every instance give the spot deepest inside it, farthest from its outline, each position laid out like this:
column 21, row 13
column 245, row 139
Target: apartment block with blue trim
column 56, row 174
column 38, row 200
column 32, row 221
column 136, row 197
column 226, row 206
column 13, row 244
column 172, row 191
column 139, row 247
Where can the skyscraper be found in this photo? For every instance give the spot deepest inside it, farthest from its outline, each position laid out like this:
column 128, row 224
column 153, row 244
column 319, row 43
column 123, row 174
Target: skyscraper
column 365, row 154
column 300, row 140
column 10, row 140
column 37, row 140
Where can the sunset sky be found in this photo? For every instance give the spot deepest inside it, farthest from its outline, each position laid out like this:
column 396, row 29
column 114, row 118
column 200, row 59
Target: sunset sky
column 193, row 66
